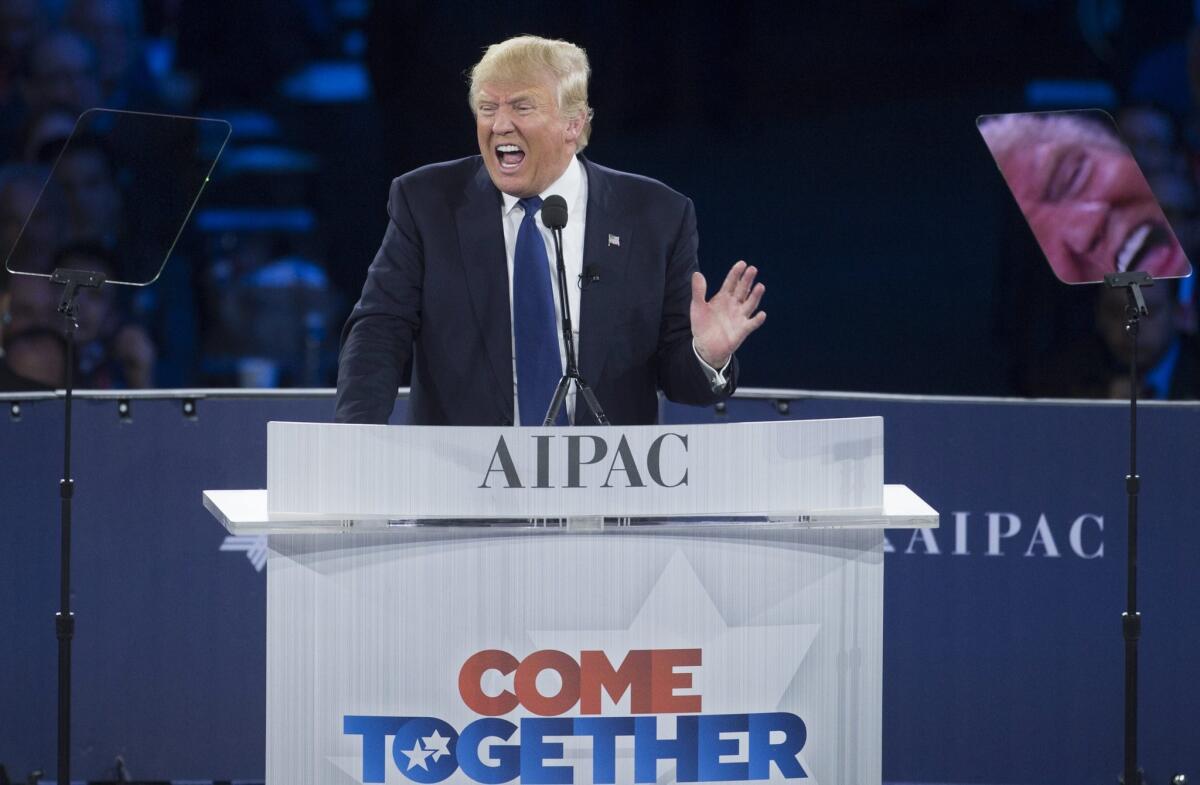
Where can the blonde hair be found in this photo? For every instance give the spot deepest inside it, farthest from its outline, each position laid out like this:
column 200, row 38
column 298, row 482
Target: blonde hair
column 1006, row 134
column 528, row 56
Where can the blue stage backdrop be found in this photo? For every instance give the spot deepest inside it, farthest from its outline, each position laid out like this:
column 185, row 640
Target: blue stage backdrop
column 1003, row 659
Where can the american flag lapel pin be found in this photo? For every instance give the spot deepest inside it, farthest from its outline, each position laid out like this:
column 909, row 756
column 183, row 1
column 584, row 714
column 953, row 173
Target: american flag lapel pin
column 614, row 240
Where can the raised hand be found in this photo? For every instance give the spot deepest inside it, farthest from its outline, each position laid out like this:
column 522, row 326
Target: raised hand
column 721, row 324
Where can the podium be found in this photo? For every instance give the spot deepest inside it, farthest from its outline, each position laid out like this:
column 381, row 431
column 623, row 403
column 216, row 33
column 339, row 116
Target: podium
column 684, row 603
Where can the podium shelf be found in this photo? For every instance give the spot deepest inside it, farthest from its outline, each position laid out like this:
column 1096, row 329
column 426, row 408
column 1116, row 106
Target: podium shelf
column 244, row 512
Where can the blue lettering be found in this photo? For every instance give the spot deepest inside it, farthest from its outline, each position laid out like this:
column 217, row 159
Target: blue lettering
column 649, row 749
column 429, row 750
column 424, row 749
column 508, row 755
column 711, row 747
column 604, row 732
column 374, row 731
column 535, row 750
column 762, row 751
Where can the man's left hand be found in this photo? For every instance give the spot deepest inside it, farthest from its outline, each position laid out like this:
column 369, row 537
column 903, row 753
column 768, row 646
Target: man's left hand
column 721, row 324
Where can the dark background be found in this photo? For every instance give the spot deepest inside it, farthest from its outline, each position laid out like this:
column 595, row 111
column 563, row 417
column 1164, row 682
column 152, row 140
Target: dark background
column 831, row 144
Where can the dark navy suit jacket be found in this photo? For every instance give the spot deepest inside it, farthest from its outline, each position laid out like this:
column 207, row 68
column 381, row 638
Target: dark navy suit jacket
column 440, row 284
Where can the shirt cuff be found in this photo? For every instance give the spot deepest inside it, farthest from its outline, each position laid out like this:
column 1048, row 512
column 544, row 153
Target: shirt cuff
column 715, row 378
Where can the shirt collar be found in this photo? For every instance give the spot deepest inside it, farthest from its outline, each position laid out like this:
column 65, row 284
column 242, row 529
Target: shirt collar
column 567, row 186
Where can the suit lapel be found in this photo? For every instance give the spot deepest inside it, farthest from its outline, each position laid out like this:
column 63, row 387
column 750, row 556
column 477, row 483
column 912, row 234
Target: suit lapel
column 606, row 242
column 481, row 242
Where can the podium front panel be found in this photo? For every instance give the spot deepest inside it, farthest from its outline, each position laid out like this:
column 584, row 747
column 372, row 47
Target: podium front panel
column 417, row 472
column 464, row 657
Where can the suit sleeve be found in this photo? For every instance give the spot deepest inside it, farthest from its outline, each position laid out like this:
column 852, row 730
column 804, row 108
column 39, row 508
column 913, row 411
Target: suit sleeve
column 378, row 338
column 680, row 375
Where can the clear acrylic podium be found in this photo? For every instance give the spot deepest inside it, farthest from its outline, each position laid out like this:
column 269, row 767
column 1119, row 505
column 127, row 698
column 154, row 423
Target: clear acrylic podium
column 691, row 603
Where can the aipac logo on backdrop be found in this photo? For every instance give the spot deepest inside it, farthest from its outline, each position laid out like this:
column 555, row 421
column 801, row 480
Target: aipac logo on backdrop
column 667, row 723
column 253, row 545
column 1033, row 535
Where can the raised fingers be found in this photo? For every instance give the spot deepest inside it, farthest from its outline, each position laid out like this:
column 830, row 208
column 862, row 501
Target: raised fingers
column 753, row 299
column 732, row 279
column 745, row 283
column 699, row 287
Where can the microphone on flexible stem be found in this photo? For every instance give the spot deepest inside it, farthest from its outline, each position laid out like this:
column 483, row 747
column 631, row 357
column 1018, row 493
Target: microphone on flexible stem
column 554, row 216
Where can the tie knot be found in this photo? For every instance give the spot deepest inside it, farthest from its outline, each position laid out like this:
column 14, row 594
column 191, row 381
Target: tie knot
column 530, row 204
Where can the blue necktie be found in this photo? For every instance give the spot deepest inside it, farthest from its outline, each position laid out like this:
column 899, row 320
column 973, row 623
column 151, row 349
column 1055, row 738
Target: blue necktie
column 535, row 327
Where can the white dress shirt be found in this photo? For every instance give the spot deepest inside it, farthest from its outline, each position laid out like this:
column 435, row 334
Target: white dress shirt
column 572, row 186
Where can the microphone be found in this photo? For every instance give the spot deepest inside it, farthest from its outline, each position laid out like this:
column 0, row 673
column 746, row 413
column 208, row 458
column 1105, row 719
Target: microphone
column 554, row 216
column 590, row 275
column 554, row 212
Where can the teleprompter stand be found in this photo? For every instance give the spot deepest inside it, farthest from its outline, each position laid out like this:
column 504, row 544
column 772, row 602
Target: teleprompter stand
column 64, row 621
column 164, row 162
column 1131, row 619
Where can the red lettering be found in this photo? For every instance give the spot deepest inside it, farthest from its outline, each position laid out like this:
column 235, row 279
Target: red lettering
column 597, row 673
column 664, row 681
column 526, row 682
column 649, row 676
column 471, row 689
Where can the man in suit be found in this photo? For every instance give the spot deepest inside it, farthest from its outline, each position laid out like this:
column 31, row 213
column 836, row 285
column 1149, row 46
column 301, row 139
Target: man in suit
column 464, row 273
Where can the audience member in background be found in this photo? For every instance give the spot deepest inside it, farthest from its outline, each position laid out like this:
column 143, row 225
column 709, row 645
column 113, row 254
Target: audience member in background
column 1097, row 365
column 114, row 28
column 33, row 360
column 29, row 305
column 32, row 303
column 1191, row 123
column 1176, row 194
column 1153, row 137
column 89, row 182
column 46, row 133
column 111, row 353
column 235, row 29
column 20, row 188
column 21, row 23
column 61, row 70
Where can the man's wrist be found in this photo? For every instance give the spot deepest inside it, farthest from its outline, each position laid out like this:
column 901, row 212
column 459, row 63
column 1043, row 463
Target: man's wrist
column 716, row 376
column 713, row 363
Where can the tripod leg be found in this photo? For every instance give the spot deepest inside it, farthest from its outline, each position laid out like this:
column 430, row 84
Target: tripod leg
column 556, row 403
column 592, row 403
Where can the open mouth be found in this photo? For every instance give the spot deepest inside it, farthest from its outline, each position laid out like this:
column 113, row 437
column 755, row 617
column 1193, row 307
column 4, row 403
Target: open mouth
column 510, row 156
column 1143, row 241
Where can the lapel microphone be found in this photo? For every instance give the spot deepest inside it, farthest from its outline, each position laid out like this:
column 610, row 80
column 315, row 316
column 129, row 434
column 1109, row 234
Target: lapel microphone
column 554, row 217
column 590, row 275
